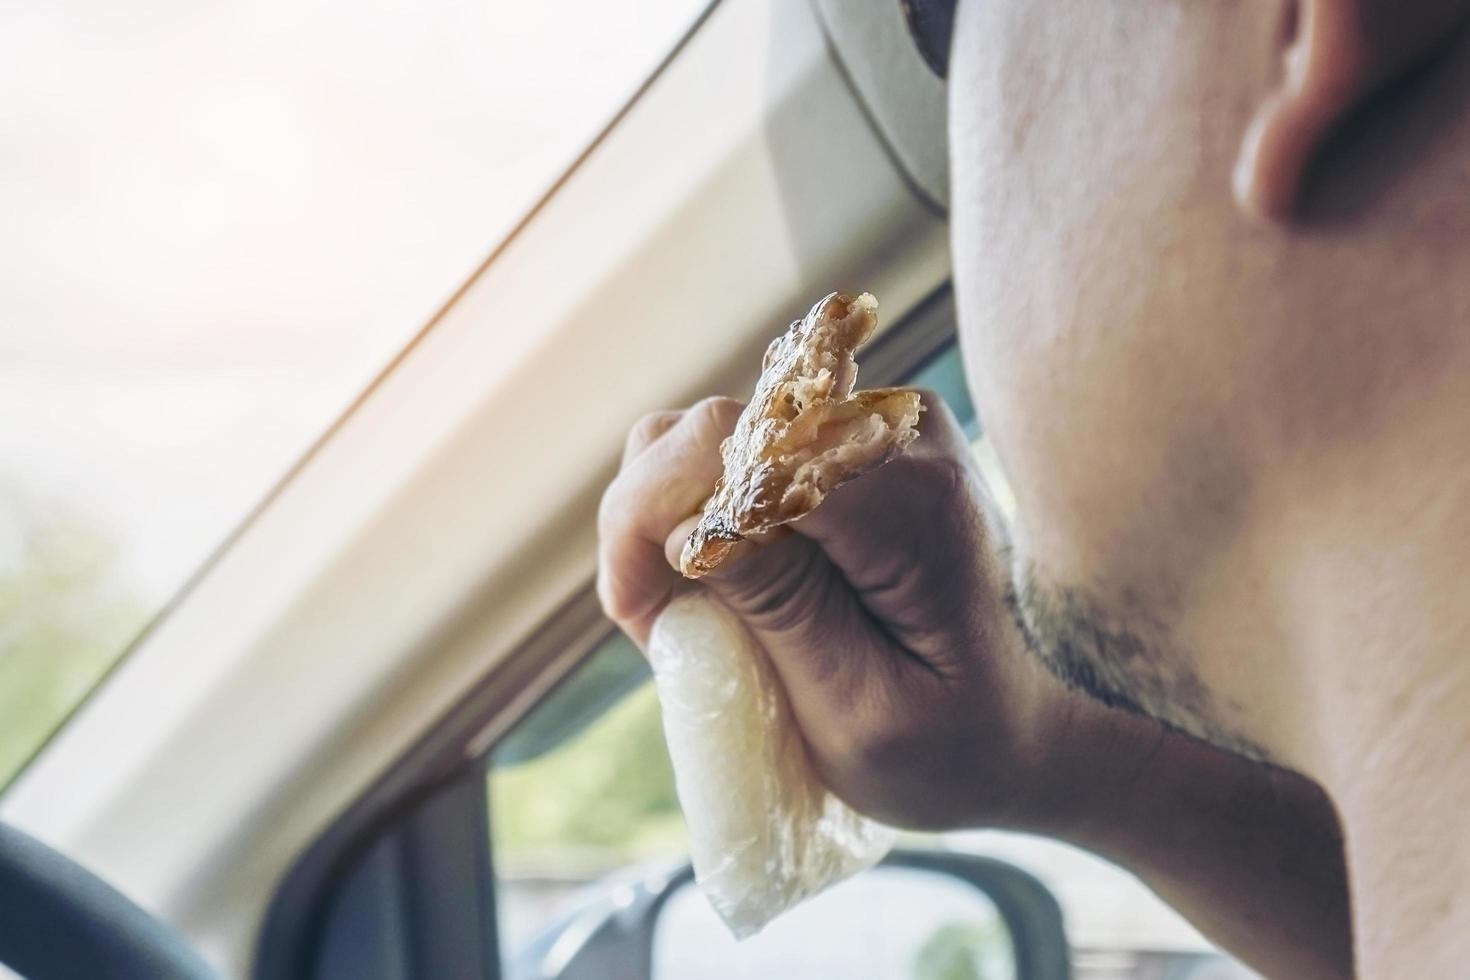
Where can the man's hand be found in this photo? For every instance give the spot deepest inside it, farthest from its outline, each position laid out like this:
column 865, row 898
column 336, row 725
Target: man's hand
column 884, row 614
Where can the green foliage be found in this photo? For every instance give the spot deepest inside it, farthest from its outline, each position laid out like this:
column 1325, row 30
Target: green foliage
column 603, row 798
column 962, row 951
column 614, row 670
column 62, row 623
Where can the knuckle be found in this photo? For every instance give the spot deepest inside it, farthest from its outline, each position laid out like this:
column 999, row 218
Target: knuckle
column 940, row 477
column 645, row 432
column 649, row 427
column 716, row 417
column 951, row 486
column 953, row 478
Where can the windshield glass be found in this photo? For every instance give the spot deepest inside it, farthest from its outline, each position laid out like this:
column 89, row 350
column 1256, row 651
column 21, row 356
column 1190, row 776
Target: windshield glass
column 222, row 221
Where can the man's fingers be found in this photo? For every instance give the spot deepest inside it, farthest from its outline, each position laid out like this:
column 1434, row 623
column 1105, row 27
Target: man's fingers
column 646, row 431
column 866, row 529
column 875, row 514
column 674, row 544
column 665, row 481
column 673, row 475
column 821, row 640
column 922, row 510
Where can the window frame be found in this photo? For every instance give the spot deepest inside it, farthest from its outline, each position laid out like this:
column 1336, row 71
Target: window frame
column 454, row 750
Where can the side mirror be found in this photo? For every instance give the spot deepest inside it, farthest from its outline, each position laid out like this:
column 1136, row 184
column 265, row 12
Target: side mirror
column 928, row 915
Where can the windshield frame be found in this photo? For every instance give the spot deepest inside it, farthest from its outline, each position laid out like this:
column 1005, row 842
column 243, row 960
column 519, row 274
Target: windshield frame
column 353, row 407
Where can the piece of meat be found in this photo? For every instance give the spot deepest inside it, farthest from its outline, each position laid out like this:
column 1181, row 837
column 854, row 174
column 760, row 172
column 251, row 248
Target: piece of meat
column 804, row 432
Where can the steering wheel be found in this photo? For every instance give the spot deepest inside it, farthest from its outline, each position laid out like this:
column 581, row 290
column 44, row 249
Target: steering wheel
column 58, row 921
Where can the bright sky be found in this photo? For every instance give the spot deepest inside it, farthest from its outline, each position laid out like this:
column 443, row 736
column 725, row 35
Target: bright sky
column 220, row 219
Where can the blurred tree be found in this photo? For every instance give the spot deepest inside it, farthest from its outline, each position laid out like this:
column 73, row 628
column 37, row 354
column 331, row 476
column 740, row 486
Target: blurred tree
column 602, row 798
column 63, row 620
column 962, row 951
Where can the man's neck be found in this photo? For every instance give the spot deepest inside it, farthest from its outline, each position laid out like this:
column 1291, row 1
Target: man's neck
column 1371, row 566
column 1401, row 784
column 1387, row 635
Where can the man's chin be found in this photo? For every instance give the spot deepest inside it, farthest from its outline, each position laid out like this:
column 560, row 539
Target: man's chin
column 1120, row 657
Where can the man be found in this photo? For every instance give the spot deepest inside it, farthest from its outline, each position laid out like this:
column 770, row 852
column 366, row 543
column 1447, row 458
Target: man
column 1211, row 264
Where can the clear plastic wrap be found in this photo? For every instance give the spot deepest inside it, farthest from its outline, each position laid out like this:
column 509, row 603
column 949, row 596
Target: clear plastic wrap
column 764, row 832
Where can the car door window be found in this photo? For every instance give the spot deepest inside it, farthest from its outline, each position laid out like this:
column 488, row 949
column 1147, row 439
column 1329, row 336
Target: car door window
column 581, row 792
column 889, row 922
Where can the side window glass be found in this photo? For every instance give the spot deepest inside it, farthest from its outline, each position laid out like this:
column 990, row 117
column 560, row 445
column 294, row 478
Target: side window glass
column 889, row 922
column 581, row 793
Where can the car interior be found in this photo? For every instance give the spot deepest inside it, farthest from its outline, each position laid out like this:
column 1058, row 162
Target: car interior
column 383, row 731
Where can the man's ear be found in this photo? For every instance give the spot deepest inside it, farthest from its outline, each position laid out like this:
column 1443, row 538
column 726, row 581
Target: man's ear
column 1339, row 53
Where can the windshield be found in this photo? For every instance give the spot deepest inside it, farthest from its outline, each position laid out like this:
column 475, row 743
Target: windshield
column 222, row 221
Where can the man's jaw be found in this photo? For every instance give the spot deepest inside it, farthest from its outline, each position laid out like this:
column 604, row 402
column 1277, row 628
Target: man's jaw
column 1119, row 656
